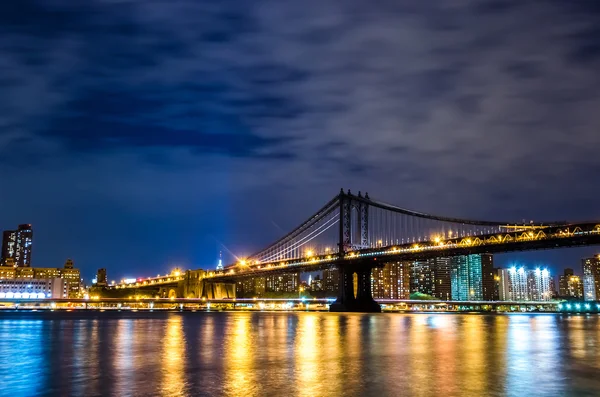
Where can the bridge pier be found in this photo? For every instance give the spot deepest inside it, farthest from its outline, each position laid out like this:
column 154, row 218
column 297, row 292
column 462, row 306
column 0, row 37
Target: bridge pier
column 346, row 301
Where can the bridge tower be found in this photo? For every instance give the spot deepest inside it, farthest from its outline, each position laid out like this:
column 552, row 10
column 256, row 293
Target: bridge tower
column 354, row 208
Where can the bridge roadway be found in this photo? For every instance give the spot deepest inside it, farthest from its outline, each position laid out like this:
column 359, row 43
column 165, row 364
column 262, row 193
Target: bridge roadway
column 582, row 234
column 270, row 303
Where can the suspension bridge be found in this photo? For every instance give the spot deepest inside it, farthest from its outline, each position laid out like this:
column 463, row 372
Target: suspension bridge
column 356, row 233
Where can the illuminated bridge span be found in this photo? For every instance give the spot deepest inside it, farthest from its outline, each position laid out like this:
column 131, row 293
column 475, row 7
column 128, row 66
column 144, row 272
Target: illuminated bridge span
column 356, row 234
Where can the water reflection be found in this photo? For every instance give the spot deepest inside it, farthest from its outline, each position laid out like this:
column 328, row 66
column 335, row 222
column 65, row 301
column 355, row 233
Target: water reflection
column 307, row 358
column 307, row 354
column 173, row 358
column 239, row 358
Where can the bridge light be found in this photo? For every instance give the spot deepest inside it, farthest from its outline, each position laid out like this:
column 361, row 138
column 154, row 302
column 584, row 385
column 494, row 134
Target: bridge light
column 327, row 249
column 587, row 306
column 380, row 242
column 242, row 262
column 309, row 253
column 437, row 239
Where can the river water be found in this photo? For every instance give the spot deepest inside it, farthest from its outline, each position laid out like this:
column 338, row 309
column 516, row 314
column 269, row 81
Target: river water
column 305, row 354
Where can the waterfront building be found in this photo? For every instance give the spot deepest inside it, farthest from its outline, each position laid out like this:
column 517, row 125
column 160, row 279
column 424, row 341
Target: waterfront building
column 71, row 275
column 391, row 281
column 466, row 277
column 286, row 282
column 524, row 285
column 331, row 280
column 101, row 278
column 17, row 245
column 33, row 288
column 316, row 284
column 488, row 284
column 591, row 278
column 570, row 285
column 504, row 284
column 442, row 284
column 422, row 277
column 538, row 283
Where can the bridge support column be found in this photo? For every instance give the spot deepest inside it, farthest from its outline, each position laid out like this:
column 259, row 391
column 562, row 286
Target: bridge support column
column 363, row 302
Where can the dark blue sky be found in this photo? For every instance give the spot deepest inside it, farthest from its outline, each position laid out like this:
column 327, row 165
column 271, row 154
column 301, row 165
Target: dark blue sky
column 140, row 135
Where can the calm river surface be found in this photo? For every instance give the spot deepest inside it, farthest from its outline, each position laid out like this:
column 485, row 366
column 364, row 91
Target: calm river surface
column 306, row 354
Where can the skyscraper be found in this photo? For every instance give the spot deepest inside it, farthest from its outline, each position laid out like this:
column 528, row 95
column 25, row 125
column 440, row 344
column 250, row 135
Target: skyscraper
column 524, row 285
column 331, row 279
column 17, row 245
column 220, row 264
column 538, row 282
column 591, row 278
column 442, row 278
column 101, row 278
column 422, row 277
column 466, row 278
column 391, row 281
column 9, row 246
column 488, row 283
column 570, row 285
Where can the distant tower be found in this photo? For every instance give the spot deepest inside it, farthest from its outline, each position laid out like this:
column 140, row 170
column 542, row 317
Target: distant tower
column 16, row 244
column 220, row 265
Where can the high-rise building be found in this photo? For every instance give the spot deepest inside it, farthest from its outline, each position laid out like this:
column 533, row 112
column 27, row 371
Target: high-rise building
column 591, row 278
column 488, row 283
column 391, row 281
column 17, row 244
column 466, row 278
column 101, row 278
column 9, row 247
column 524, row 285
column 220, row 263
column 331, row 280
column 538, row 283
column 422, row 277
column 442, row 283
column 570, row 285
column 24, row 245
column 316, row 284
column 285, row 282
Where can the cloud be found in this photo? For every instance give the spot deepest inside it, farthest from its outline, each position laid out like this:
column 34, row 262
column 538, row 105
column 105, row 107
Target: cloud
column 470, row 108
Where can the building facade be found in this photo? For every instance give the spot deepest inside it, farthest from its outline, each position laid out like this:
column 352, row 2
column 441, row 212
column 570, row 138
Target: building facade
column 101, row 278
column 591, row 278
column 285, row 282
column 331, row 281
column 71, row 275
column 488, row 283
column 570, row 285
column 422, row 278
column 524, row 285
column 33, row 288
column 466, row 278
column 17, row 245
column 391, row 281
column 442, row 275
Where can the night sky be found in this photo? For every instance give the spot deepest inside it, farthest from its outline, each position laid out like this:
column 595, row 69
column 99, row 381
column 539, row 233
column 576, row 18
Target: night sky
column 141, row 135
